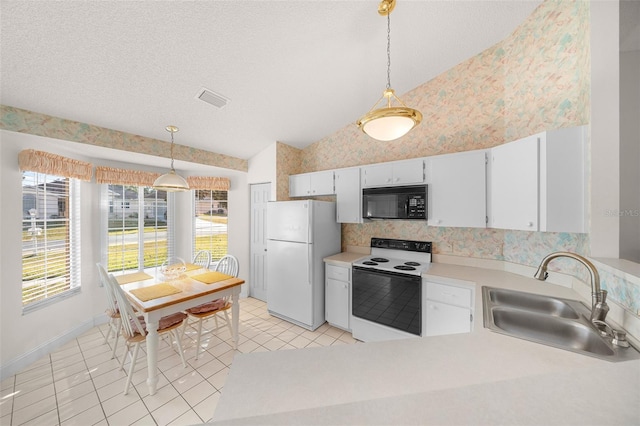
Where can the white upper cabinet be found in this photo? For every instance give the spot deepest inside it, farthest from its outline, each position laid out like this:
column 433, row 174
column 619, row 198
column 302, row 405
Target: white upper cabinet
column 311, row 184
column 538, row 182
column 457, row 189
column 407, row 172
column 563, row 180
column 514, row 185
column 348, row 195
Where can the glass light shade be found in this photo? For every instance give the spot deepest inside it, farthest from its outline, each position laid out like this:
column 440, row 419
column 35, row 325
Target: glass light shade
column 389, row 123
column 387, row 127
column 171, row 182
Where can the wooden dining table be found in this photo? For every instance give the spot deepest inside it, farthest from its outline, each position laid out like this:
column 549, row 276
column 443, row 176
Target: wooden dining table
column 192, row 293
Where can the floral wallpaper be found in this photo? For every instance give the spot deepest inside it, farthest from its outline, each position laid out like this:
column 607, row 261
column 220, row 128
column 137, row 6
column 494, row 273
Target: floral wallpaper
column 20, row 120
column 288, row 163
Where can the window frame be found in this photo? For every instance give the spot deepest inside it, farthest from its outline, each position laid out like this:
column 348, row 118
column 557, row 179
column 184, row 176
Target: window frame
column 107, row 208
column 194, row 228
column 73, row 249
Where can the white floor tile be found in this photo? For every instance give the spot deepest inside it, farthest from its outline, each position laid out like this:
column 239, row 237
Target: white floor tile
column 47, row 419
column 207, row 407
column 79, row 383
column 78, row 406
column 170, row 411
column 218, row 380
column 118, row 402
column 199, row 393
column 91, row 416
column 188, row 418
column 23, row 400
column 186, row 382
column 32, row 411
column 129, row 414
column 161, row 397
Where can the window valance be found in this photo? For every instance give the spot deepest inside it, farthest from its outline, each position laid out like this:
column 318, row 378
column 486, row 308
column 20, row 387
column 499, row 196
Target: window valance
column 32, row 160
column 117, row 176
column 207, row 182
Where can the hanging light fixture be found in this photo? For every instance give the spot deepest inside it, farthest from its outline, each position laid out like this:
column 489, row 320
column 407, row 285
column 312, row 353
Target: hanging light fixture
column 389, row 122
column 171, row 181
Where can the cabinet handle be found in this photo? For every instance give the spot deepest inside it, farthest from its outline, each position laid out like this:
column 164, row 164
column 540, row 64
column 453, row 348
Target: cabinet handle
column 530, row 224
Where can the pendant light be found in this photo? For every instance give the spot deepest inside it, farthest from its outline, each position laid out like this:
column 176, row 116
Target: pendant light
column 171, row 181
column 389, row 122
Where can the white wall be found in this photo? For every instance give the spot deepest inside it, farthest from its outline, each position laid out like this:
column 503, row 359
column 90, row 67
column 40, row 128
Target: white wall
column 605, row 129
column 630, row 156
column 262, row 169
column 26, row 338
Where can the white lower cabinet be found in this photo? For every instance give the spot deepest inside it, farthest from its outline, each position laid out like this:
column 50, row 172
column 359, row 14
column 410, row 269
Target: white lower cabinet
column 448, row 307
column 337, row 291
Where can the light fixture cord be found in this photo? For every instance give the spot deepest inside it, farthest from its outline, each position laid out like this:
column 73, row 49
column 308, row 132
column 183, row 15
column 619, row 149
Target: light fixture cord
column 172, row 150
column 388, row 50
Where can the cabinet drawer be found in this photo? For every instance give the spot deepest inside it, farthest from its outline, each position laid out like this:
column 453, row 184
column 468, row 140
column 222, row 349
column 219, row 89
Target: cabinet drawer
column 449, row 294
column 339, row 273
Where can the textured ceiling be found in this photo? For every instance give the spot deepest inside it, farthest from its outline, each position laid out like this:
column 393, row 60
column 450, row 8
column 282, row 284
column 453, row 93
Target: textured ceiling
column 294, row 71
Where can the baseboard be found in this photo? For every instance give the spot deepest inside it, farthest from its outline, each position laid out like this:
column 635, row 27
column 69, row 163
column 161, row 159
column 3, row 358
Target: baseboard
column 25, row 360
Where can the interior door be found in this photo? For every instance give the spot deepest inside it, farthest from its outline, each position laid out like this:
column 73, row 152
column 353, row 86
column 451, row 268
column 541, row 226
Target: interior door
column 260, row 194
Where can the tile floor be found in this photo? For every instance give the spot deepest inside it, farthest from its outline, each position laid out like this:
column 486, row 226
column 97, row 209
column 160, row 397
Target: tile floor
column 79, row 384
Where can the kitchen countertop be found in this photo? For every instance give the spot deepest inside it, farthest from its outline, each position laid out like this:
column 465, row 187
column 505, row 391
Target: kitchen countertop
column 479, row 377
column 344, row 259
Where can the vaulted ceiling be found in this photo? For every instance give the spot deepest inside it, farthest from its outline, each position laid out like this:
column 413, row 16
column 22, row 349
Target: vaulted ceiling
column 293, row 71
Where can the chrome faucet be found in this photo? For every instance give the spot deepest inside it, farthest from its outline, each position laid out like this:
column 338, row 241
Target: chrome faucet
column 599, row 307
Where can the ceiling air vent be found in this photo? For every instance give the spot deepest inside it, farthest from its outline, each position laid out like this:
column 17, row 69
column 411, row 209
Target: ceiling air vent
column 212, row 98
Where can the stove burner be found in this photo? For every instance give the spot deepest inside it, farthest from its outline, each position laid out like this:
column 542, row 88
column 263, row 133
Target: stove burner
column 404, row 268
column 368, row 262
column 379, row 259
column 412, row 263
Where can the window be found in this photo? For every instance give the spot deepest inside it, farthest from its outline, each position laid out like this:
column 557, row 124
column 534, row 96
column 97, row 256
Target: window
column 50, row 238
column 210, row 222
column 136, row 227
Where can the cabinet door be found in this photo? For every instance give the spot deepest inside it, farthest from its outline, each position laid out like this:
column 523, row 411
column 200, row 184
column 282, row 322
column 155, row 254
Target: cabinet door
column 446, row 319
column 457, row 189
column 377, row 175
column 321, row 183
column 299, row 185
column 408, row 172
column 337, row 303
column 348, row 196
column 514, row 185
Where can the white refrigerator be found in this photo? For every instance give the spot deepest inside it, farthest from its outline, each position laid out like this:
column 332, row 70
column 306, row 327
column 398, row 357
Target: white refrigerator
column 299, row 235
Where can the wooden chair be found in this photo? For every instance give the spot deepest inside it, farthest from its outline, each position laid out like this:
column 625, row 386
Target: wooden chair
column 134, row 329
column 112, row 309
column 227, row 265
column 202, row 258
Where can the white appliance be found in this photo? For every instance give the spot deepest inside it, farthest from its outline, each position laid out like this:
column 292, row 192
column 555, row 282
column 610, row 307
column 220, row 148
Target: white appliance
column 299, row 235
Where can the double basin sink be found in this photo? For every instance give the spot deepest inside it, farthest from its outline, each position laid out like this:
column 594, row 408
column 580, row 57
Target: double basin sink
column 552, row 321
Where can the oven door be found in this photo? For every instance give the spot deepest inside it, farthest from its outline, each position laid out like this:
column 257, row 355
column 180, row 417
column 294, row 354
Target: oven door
column 388, row 298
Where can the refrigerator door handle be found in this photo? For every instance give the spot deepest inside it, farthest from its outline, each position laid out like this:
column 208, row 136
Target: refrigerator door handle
column 310, row 257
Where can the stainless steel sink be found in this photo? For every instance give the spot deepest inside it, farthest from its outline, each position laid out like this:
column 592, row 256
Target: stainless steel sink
column 557, row 307
column 552, row 321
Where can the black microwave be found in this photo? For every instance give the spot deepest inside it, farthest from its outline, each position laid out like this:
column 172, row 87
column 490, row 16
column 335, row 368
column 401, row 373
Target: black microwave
column 395, row 202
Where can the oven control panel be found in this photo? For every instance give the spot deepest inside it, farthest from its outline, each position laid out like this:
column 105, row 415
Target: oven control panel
column 406, row 245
